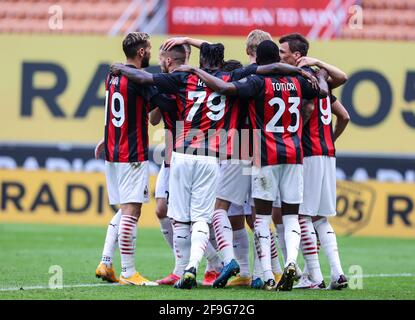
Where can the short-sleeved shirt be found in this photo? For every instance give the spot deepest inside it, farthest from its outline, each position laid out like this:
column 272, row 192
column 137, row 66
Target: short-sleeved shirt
column 274, row 112
column 207, row 119
column 126, row 119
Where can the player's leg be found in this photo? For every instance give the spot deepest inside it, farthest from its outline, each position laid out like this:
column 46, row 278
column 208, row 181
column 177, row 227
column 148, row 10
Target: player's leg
column 240, row 245
column 166, row 224
column 323, row 227
column 264, row 192
column 263, row 240
column 257, row 274
column 179, row 210
column 275, row 261
column 181, row 246
column 291, row 192
column 279, row 227
column 127, row 238
column 161, row 195
column 223, row 230
column 233, row 187
column 133, row 185
column 202, row 201
column 313, row 173
column 105, row 269
column 214, row 262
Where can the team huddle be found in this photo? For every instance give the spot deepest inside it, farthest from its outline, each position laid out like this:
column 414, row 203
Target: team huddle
column 249, row 145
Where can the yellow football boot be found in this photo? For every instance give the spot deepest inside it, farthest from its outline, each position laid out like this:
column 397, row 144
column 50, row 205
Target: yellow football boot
column 240, row 282
column 277, row 277
column 137, row 280
column 106, row 273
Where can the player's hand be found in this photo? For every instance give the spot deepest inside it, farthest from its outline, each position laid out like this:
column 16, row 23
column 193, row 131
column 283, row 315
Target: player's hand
column 307, row 61
column 323, row 72
column 170, row 43
column 185, row 68
column 99, row 149
column 116, row 68
column 313, row 80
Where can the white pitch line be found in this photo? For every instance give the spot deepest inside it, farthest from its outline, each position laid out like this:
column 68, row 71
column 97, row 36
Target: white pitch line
column 383, row 275
column 87, row 285
column 64, row 287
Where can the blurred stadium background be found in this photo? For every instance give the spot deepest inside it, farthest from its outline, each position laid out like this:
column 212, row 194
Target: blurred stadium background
column 55, row 55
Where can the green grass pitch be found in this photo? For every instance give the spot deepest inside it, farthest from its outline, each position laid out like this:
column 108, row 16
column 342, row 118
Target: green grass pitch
column 28, row 251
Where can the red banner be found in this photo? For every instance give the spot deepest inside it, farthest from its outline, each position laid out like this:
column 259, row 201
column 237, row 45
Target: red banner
column 315, row 19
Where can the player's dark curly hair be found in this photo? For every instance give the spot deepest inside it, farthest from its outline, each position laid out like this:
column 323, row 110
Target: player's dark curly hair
column 230, row 65
column 211, row 55
column 267, row 52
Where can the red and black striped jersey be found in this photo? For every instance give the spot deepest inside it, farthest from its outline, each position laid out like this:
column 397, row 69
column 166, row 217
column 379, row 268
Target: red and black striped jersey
column 274, row 112
column 318, row 131
column 126, row 119
column 207, row 120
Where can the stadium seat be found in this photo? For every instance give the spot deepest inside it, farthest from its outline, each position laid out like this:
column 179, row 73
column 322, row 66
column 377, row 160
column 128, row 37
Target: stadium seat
column 80, row 16
column 384, row 19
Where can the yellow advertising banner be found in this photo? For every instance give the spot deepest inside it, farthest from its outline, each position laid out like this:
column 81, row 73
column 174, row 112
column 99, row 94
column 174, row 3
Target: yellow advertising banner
column 61, row 198
column 375, row 209
column 52, row 88
column 364, row 209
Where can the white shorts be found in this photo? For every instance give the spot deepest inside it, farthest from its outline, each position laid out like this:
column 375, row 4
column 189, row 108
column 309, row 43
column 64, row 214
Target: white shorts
column 234, row 182
column 237, row 210
column 277, row 202
column 319, row 186
column 192, row 186
column 162, row 183
column 127, row 182
column 284, row 181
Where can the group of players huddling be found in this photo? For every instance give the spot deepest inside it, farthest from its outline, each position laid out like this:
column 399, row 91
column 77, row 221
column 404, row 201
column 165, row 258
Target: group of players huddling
column 244, row 145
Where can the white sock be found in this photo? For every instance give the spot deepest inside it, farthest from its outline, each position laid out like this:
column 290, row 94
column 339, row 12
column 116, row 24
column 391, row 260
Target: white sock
column 223, row 234
column 264, row 244
column 181, row 245
column 329, row 244
column 241, row 249
column 305, row 270
column 126, row 240
column 292, row 236
column 214, row 262
column 212, row 237
column 200, row 239
column 111, row 239
column 167, row 230
column 309, row 249
column 281, row 240
column 257, row 273
column 275, row 262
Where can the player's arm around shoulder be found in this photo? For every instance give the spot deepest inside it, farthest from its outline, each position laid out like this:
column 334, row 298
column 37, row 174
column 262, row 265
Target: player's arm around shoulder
column 279, row 68
column 170, row 43
column 337, row 77
column 135, row 75
column 216, row 84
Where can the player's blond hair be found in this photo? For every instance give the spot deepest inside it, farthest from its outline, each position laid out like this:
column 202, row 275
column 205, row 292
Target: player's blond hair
column 255, row 37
